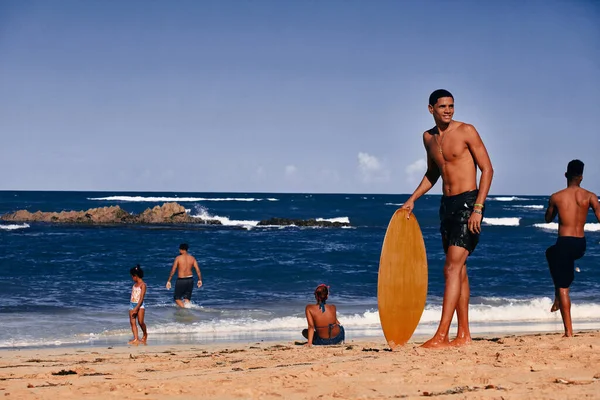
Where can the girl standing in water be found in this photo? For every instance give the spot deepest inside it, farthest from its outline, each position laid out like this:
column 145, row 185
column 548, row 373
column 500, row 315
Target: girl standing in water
column 136, row 306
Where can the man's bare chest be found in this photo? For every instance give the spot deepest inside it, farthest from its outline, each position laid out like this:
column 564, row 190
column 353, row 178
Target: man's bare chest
column 447, row 148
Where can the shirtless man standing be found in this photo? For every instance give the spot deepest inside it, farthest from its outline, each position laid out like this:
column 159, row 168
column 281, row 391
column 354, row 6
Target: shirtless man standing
column 571, row 205
column 454, row 151
column 185, row 278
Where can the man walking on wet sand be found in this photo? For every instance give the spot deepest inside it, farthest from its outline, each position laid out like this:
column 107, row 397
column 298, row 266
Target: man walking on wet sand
column 183, row 264
column 571, row 205
column 454, row 151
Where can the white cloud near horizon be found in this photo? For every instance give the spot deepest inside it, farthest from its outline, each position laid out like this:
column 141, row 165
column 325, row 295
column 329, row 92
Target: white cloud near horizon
column 290, row 170
column 260, row 174
column 414, row 172
column 371, row 170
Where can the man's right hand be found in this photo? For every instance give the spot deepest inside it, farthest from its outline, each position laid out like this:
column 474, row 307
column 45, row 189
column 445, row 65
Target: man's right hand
column 168, row 285
column 409, row 205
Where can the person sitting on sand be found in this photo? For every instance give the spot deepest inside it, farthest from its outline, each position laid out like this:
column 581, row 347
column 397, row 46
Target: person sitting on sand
column 571, row 205
column 323, row 325
column 136, row 307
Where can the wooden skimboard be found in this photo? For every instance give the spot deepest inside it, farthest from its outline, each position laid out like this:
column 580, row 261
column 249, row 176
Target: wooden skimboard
column 402, row 283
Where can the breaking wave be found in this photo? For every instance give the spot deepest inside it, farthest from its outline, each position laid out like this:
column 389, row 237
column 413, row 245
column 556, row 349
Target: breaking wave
column 13, row 227
column 342, row 220
column 203, row 213
column 180, row 199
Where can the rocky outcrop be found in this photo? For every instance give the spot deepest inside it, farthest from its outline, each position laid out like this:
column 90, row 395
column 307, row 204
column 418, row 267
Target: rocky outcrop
column 168, row 213
column 301, row 222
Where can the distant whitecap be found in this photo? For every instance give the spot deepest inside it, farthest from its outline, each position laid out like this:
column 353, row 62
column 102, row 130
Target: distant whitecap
column 591, row 227
column 502, row 221
column 508, row 198
column 13, row 227
column 343, row 220
column 179, row 199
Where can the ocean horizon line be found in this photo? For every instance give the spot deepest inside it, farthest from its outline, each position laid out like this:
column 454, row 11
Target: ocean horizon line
column 250, row 192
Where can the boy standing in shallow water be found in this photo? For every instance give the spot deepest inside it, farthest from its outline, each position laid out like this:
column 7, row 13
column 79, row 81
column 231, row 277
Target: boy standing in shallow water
column 136, row 307
column 571, row 205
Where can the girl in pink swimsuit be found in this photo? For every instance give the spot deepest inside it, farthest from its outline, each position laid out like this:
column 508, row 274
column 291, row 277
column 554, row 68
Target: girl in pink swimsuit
column 136, row 306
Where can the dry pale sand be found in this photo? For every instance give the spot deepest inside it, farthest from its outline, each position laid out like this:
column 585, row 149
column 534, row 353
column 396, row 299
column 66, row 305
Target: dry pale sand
column 540, row 366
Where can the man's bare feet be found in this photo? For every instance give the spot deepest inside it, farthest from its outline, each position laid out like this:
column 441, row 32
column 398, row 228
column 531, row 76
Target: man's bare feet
column 436, row 343
column 568, row 334
column 144, row 339
column 461, row 341
column 134, row 342
column 555, row 306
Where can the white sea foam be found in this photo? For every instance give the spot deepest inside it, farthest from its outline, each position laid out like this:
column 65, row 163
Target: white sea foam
column 13, row 227
column 502, row 221
column 534, row 206
column 515, row 312
column 507, row 315
column 22, row 342
column 343, row 220
column 180, row 199
column 203, row 214
column 532, row 310
column 394, row 204
column 510, row 311
column 591, row 227
column 507, row 198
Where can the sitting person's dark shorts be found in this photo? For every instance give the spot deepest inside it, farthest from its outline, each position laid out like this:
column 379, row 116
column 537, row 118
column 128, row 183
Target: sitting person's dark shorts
column 561, row 259
column 183, row 288
column 455, row 212
column 318, row 341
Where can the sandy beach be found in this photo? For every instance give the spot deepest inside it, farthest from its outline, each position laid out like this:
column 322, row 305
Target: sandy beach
column 536, row 366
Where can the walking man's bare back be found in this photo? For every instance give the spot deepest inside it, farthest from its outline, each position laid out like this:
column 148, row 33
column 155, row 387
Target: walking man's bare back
column 183, row 265
column 454, row 152
column 572, row 205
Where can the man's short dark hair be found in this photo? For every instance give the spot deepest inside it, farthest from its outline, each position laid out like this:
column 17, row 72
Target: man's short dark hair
column 438, row 94
column 574, row 168
column 184, row 246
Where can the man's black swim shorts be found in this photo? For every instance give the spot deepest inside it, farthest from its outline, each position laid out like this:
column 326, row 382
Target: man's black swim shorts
column 454, row 216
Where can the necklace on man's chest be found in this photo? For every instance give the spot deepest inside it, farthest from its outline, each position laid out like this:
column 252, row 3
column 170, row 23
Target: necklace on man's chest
column 439, row 143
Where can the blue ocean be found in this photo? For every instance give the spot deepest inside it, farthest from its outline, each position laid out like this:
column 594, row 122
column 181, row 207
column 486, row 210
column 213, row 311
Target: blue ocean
column 70, row 284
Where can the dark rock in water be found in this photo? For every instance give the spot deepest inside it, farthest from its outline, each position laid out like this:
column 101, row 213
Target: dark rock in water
column 301, row 222
column 168, row 213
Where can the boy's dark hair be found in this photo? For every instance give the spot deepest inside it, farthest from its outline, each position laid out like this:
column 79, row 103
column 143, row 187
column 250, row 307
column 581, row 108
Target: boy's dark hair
column 574, row 169
column 137, row 271
column 438, row 94
column 184, row 246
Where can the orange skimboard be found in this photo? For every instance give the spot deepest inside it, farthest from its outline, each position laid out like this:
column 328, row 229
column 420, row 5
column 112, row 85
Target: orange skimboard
column 402, row 283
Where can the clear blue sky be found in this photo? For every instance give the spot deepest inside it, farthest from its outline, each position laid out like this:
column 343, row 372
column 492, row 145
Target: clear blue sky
column 293, row 96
